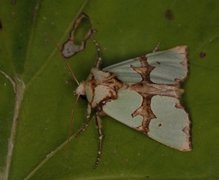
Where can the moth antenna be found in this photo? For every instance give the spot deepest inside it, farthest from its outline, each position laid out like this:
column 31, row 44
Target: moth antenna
column 99, row 54
column 68, row 67
column 71, row 39
column 71, row 72
column 72, row 117
column 65, row 62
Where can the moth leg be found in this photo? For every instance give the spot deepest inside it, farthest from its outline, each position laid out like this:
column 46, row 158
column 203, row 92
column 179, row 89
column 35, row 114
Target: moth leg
column 83, row 127
column 157, row 47
column 88, row 111
column 98, row 50
column 100, row 144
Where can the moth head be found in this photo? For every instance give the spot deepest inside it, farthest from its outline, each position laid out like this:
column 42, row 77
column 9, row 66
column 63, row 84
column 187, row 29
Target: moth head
column 80, row 91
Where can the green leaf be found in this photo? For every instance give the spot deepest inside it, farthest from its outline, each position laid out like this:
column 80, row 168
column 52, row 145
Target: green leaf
column 36, row 91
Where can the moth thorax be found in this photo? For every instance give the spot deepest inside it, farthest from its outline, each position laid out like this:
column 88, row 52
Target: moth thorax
column 81, row 89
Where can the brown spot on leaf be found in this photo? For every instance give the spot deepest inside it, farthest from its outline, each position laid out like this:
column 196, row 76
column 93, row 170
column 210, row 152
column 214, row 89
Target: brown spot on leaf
column 202, row 55
column 13, row 1
column 159, row 125
column 1, row 27
column 169, row 14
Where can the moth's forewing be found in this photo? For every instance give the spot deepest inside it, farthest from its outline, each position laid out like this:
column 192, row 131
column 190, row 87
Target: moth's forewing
column 123, row 107
column 124, row 72
column 169, row 65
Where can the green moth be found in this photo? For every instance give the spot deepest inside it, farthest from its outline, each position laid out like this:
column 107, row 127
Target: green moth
column 143, row 93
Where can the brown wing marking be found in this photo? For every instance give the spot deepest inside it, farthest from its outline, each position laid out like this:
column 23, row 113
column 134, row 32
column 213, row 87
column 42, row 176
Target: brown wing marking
column 145, row 111
column 144, row 70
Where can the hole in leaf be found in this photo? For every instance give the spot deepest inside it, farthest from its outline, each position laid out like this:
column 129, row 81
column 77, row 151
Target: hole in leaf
column 79, row 34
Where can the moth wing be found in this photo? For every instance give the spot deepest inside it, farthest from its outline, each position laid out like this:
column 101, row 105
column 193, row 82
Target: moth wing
column 122, row 108
column 170, row 125
column 170, row 66
column 167, row 67
column 124, row 70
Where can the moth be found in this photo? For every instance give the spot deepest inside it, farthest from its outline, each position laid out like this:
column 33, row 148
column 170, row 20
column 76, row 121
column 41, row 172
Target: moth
column 143, row 93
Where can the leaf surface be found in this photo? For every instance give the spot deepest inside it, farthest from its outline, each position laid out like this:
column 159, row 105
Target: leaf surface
column 29, row 34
